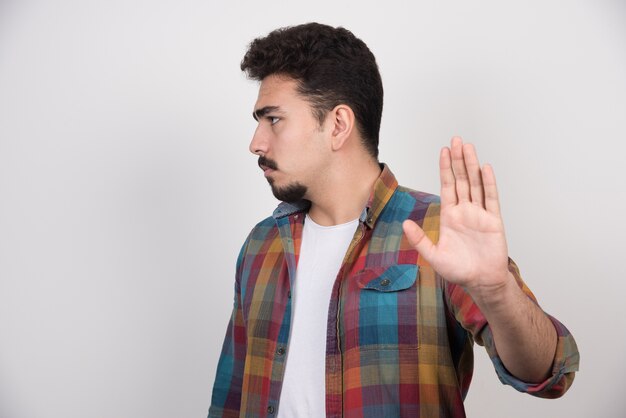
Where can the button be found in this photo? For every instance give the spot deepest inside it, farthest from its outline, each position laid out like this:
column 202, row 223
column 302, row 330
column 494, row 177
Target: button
column 280, row 351
column 270, row 409
column 369, row 220
column 385, row 282
column 295, row 217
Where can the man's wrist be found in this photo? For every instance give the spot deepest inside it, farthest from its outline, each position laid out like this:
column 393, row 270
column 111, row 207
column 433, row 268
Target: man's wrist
column 496, row 296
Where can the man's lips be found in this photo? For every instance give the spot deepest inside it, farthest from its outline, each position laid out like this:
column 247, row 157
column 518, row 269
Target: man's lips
column 267, row 165
column 266, row 170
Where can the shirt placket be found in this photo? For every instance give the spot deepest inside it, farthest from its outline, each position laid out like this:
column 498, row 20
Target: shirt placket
column 286, row 227
column 334, row 356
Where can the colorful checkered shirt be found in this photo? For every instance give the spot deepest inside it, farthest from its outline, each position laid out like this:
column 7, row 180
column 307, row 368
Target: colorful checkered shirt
column 399, row 337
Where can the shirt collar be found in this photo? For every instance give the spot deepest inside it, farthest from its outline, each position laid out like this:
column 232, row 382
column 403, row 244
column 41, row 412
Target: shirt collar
column 384, row 187
column 287, row 208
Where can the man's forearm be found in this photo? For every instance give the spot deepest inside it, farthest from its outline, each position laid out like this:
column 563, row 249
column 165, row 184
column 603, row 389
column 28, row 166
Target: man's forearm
column 524, row 336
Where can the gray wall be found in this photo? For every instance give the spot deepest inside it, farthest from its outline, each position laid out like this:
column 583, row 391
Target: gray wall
column 126, row 186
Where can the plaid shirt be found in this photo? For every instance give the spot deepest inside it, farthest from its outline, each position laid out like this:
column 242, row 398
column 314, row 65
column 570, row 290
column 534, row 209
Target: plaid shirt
column 399, row 337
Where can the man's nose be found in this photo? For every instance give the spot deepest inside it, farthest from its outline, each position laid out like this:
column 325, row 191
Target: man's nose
column 259, row 143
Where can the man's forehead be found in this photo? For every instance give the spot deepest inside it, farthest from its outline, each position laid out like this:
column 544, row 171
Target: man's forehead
column 278, row 86
column 276, row 92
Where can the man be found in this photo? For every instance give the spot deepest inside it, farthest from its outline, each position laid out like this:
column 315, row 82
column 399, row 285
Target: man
column 359, row 297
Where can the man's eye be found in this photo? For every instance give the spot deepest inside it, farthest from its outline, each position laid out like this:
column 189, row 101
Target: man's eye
column 273, row 119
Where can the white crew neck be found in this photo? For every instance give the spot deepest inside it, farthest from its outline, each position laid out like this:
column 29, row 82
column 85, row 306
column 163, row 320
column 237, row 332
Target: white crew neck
column 338, row 226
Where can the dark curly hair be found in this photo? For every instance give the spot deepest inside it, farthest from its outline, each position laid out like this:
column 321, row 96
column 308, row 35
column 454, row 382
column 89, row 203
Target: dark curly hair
column 331, row 66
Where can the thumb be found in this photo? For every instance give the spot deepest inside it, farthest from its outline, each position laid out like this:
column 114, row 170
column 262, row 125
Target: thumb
column 418, row 239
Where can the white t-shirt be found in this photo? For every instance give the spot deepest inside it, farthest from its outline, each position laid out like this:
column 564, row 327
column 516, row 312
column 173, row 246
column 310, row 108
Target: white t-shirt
column 321, row 253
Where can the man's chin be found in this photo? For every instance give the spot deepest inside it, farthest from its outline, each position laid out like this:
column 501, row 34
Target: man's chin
column 290, row 193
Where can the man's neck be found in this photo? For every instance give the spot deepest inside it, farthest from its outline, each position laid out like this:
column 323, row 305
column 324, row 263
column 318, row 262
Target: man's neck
column 346, row 194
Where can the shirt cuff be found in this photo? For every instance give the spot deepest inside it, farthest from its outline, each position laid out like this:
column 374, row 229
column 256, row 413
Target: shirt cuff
column 565, row 363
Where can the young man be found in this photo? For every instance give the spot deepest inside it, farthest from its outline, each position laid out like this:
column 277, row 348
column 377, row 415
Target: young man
column 360, row 297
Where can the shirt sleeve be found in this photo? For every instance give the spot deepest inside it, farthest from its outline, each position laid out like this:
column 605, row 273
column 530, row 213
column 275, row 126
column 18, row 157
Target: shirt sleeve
column 566, row 357
column 226, row 397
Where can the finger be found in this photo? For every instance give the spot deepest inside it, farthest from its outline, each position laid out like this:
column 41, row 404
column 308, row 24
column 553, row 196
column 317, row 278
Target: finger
column 460, row 172
column 448, row 187
column 418, row 240
column 473, row 173
column 492, row 202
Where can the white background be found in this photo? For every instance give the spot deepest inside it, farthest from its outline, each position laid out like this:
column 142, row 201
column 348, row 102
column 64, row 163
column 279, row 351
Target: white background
column 126, row 186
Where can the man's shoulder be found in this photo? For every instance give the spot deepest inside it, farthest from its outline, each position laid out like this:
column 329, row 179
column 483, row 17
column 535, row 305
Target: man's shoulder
column 421, row 207
column 264, row 228
column 415, row 203
column 421, row 198
column 260, row 233
column 407, row 203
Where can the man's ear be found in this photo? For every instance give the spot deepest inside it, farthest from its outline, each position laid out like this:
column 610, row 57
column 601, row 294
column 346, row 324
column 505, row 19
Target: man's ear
column 343, row 121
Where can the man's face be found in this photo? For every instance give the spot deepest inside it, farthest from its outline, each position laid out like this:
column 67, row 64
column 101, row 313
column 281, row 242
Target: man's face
column 291, row 145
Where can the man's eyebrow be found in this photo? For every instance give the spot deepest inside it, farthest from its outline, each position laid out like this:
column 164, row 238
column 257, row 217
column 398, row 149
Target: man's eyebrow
column 259, row 113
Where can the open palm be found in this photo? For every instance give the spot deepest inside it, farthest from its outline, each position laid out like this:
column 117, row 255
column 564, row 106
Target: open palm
column 472, row 249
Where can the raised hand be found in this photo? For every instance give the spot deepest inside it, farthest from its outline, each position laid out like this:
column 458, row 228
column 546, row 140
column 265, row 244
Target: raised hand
column 471, row 250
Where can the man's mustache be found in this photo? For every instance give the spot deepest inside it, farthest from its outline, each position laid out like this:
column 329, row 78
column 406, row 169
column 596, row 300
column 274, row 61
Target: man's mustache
column 266, row 162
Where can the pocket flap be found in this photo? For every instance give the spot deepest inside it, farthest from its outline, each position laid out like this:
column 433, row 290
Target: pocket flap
column 388, row 279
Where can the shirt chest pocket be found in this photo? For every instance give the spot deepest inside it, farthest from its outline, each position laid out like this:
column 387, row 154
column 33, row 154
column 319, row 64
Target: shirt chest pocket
column 385, row 308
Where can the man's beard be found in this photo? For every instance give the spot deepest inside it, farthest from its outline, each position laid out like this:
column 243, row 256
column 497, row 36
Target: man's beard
column 291, row 193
